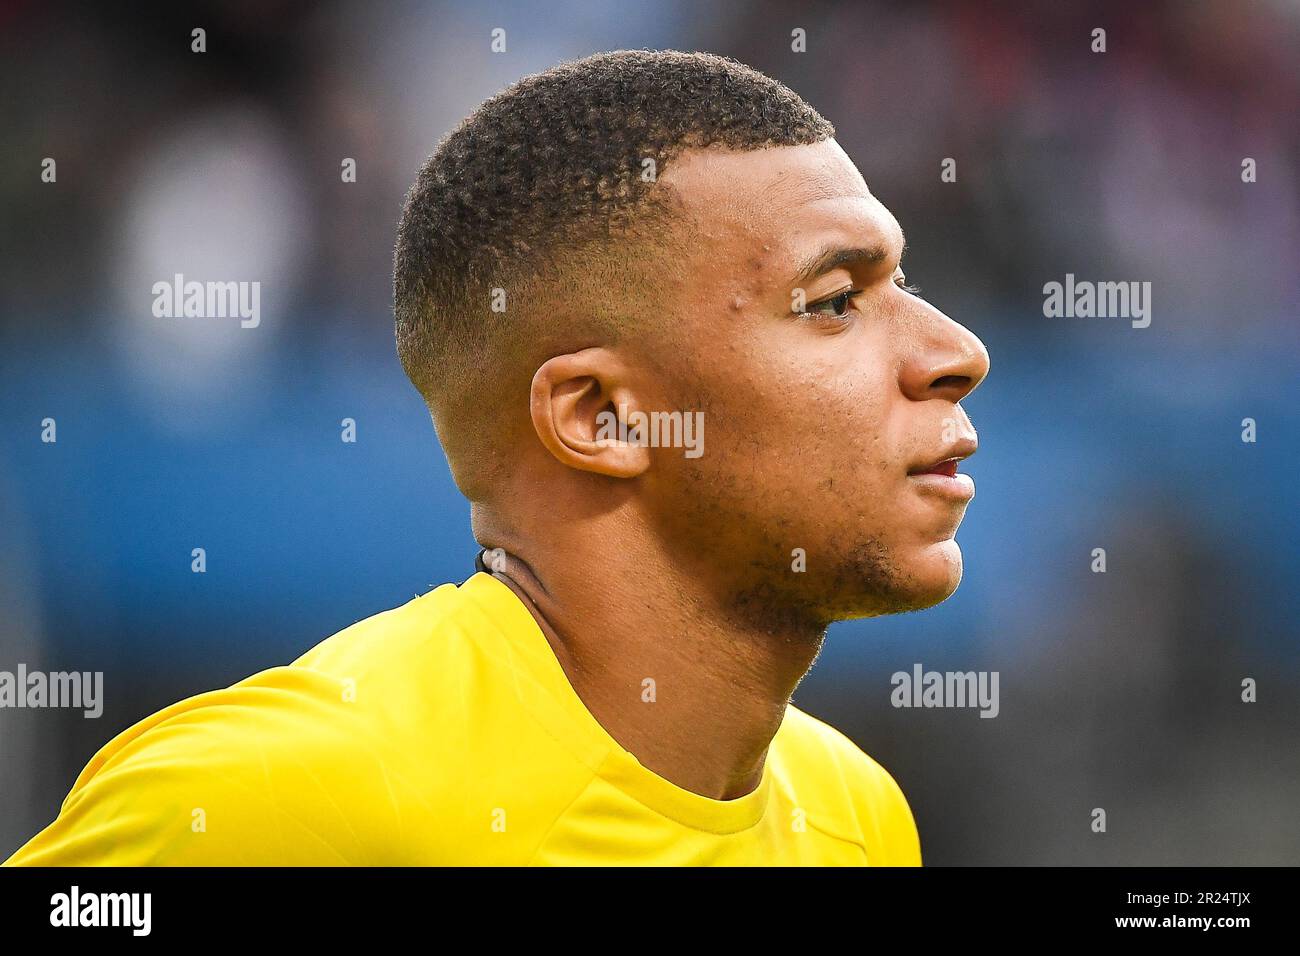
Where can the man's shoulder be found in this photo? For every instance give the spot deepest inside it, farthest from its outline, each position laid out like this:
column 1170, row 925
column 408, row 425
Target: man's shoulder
column 847, row 785
column 389, row 638
column 372, row 708
column 330, row 759
column 387, row 669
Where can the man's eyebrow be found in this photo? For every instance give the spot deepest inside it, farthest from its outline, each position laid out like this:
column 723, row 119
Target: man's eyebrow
column 837, row 257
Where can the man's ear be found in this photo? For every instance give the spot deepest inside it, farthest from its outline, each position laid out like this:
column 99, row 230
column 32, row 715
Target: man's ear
column 580, row 405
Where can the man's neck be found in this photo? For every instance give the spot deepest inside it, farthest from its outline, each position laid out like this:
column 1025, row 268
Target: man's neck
column 695, row 694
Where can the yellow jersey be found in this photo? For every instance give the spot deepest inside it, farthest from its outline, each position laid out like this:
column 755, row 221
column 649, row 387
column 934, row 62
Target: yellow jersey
column 445, row 732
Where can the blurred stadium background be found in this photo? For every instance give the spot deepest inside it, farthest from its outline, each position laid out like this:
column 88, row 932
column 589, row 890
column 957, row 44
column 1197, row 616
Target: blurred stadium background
column 1118, row 690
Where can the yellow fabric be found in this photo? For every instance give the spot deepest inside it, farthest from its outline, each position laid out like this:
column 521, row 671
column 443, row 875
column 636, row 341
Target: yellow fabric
column 445, row 732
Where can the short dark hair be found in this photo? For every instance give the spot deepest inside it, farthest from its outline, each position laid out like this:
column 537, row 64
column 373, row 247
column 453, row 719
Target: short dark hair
column 549, row 172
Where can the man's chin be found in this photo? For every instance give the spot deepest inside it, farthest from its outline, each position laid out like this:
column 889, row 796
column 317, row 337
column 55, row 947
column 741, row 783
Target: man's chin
column 910, row 586
column 937, row 575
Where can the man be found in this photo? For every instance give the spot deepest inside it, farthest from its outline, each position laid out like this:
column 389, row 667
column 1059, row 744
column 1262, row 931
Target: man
column 598, row 263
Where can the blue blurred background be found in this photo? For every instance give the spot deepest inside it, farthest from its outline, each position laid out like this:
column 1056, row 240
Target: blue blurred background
column 1118, row 690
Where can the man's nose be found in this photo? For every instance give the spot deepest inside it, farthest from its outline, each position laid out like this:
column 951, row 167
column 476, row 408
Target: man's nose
column 948, row 360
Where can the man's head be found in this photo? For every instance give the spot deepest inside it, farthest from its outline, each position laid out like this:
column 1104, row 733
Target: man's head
column 669, row 232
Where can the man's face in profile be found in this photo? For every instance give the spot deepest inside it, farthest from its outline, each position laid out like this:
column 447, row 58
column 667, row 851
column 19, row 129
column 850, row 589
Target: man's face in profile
column 830, row 391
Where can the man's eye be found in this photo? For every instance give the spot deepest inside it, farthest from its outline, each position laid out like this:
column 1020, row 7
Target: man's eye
column 901, row 281
column 836, row 306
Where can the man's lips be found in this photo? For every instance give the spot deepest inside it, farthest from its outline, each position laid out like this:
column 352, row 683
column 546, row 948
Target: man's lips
column 941, row 477
column 946, row 467
column 947, row 460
